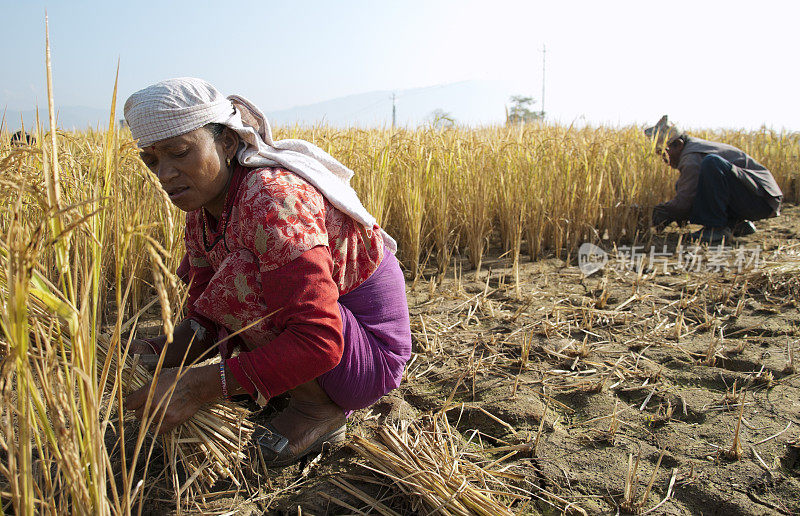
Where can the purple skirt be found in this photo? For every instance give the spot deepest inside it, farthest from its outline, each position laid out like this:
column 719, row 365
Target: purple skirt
column 377, row 339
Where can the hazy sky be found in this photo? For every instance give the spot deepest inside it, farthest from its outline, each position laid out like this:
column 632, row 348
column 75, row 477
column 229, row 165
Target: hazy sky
column 706, row 63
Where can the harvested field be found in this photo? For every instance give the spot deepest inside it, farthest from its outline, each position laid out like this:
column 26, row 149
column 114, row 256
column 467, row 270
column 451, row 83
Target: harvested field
column 582, row 394
column 665, row 382
column 566, row 359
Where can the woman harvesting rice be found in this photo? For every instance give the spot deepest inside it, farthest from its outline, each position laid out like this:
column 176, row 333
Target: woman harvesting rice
column 279, row 251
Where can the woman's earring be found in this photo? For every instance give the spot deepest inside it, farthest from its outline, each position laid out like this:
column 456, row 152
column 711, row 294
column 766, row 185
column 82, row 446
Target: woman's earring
column 228, row 162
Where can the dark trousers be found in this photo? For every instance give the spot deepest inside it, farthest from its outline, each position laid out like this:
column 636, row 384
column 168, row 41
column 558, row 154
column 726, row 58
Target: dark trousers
column 722, row 199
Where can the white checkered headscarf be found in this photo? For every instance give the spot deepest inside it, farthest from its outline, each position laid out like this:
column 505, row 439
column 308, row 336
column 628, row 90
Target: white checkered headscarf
column 174, row 107
column 178, row 106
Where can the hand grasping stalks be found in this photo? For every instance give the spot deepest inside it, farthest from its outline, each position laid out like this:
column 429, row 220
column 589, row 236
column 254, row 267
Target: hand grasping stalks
column 210, row 445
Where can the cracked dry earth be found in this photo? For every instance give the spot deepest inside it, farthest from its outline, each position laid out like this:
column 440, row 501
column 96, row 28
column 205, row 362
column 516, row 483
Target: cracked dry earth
column 629, row 377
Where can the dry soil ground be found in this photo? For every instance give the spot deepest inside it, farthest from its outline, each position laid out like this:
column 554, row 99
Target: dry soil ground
column 630, row 375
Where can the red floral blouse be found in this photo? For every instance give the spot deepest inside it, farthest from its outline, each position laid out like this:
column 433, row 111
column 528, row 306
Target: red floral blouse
column 272, row 268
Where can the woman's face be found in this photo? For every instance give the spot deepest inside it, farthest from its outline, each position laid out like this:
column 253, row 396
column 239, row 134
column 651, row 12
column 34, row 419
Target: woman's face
column 192, row 168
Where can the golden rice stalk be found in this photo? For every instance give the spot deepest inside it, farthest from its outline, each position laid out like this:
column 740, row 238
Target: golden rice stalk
column 427, row 464
column 210, row 445
column 778, row 275
column 218, row 432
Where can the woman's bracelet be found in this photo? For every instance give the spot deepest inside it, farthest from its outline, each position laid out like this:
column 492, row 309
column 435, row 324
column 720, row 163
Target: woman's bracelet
column 223, row 380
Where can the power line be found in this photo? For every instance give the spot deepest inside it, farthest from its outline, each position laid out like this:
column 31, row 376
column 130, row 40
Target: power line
column 373, row 105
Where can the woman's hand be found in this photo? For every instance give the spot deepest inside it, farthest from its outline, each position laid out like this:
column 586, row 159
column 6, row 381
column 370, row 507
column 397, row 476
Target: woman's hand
column 660, row 218
column 189, row 344
column 147, row 355
column 140, row 347
column 189, row 395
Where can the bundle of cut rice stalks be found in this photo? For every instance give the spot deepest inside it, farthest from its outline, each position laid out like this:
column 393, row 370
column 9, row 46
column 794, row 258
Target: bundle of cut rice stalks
column 209, row 446
column 779, row 274
column 430, row 463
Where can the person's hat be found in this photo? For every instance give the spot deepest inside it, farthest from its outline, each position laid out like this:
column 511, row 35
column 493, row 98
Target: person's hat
column 663, row 132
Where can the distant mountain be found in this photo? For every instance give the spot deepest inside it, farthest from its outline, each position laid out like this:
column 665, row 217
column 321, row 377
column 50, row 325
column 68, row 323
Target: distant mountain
column 467, row 102
column 67, row 117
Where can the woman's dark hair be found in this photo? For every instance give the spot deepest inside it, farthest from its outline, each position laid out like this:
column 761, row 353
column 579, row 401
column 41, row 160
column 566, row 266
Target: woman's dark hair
column 22, row 138
column 215, row 129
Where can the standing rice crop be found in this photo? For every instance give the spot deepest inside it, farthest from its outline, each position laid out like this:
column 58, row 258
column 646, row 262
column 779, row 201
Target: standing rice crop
column 76, row 249
column 90, row 241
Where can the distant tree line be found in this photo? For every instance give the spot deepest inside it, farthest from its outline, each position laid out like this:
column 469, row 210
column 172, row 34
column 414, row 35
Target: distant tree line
column 521, row 110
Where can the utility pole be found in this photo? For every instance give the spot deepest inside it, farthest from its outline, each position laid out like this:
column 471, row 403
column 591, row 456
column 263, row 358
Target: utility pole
column 394, row 110
column 544, row 51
